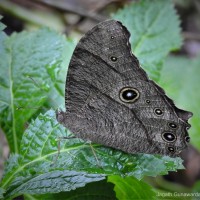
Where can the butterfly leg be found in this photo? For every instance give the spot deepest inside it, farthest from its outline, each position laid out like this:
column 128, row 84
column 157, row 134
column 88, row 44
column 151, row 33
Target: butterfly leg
column 93, row 151
column 58, row 140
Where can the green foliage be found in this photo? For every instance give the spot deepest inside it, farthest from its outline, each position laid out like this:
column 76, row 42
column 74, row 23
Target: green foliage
column 96, row 190
column 180, row 78
column 32, row 78
column 30, row 71
column 196, row 188
column 1, row 192
column 155, row 31
column 131, row 188
column 38, row 168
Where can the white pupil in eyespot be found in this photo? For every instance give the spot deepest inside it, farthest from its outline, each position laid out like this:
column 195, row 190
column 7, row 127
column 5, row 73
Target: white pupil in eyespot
column 129, row 94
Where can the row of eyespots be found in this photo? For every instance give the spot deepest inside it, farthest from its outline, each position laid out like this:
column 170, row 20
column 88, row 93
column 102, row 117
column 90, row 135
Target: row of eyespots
column 130, row 95
column 172, row 149
column 170, row 137
column 113, row 58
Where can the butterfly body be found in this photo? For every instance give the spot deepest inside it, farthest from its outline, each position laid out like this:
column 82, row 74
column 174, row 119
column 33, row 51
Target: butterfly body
column 110, row 99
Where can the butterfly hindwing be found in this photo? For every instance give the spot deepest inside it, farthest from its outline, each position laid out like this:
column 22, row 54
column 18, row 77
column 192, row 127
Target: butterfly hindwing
column 111, row 101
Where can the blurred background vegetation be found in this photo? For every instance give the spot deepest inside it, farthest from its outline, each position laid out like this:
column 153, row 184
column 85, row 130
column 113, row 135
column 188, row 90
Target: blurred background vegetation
column 75, row 17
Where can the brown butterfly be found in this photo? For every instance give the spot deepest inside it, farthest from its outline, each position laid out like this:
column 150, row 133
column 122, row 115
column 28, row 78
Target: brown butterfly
column 110, row 99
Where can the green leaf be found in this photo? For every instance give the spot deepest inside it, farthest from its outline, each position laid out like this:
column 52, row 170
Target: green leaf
column 131, row 188
column 2, row 26
column 1, row 193
column 39, row 160
column 180, row 78
column 54, row 182
column 196, row 190
column 154, row 28
column 31, row 70
column 97, row 190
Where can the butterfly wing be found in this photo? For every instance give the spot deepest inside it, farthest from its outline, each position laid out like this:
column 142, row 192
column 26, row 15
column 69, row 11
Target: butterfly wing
column 111, row 101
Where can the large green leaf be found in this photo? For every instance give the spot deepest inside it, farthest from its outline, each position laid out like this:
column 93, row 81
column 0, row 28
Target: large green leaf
column 180, row 78
column 100, row 190
column 31, row 69
column 155, row 31
column 55, row 182
column 32, row 170
column 131, row 188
